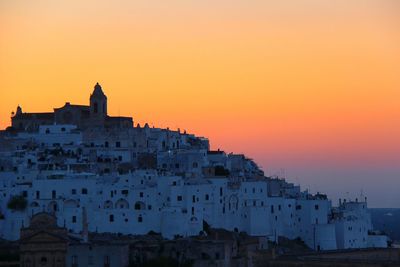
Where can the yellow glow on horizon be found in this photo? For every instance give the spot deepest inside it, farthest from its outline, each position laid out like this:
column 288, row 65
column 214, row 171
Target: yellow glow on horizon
column 254, row 76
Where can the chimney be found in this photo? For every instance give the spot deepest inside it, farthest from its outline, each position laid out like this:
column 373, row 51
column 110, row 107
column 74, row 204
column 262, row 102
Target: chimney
column 85, row 231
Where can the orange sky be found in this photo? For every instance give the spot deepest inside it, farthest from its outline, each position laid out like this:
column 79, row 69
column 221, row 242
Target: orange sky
column 311, row 86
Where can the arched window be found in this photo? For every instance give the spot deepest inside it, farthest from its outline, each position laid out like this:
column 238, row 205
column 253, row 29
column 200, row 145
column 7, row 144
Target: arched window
column 140, row 205
column 95, row 107
column 108, row 204
column 122, row 204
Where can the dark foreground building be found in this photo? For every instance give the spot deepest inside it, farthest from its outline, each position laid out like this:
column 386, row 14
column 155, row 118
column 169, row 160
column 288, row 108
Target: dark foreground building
column 94, row 115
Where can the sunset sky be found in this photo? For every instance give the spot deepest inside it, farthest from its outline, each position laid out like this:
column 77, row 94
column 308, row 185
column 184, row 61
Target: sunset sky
column 309, row 89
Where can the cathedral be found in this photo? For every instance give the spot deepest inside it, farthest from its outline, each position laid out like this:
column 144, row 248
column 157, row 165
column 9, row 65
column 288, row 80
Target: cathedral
column 94, row 115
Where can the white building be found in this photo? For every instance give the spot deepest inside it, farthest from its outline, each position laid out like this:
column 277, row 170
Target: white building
column 142, row 179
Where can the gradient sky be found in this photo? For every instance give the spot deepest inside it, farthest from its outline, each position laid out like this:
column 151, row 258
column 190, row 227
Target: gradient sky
column 308, row 89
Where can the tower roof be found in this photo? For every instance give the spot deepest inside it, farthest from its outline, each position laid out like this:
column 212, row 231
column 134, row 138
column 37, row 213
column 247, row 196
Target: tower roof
column 98, row 91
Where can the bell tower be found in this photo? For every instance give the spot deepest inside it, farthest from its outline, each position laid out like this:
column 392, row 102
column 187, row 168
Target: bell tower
column 98, row 102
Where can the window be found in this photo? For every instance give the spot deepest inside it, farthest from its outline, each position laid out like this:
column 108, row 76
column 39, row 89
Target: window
column 254, row 190
column 316, row 207
column 84, row 191
column 73, row 191
column 74, row 259
column 106, row 144
column 106, row 260
column 137, row 206
column 279, row 207
column 24, row 193
column 53, row 194
column 74, row 219
column 272, row 208
column 140, row 218
column 90, row 260
column 37, row 194
column 62, row 129
column 118, row 144
column 195, row 165
column 194, row 199
column 141, row 194
column 43, row 260
column 207, row 197
column 179, row 198
column 192, row 210
column 220, row 191
column 47, row 131
column 111, row 218
column 177, row 165
column 95, row 107
column 254, row 203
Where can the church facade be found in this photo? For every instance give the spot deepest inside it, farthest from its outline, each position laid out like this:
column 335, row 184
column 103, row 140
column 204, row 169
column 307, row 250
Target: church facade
column 43, row 243
column 94, row 115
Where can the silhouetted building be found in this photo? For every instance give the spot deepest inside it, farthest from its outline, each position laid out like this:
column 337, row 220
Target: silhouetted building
column 94, row 115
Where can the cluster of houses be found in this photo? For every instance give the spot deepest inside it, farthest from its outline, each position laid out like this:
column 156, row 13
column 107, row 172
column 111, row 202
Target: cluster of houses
column 103, row 173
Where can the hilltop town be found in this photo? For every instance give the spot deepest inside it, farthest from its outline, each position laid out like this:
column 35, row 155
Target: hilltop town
column 80, row 175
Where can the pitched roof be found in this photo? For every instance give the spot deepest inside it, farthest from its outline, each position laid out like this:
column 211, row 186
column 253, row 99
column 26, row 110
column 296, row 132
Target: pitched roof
column 98, row 91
